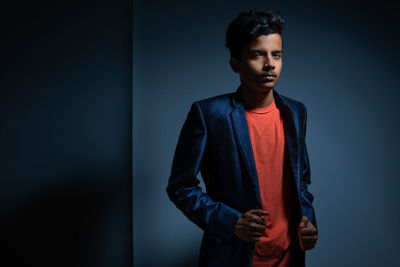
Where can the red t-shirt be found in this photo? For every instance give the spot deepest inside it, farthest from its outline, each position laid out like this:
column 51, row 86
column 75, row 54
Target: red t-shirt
column 268, row 143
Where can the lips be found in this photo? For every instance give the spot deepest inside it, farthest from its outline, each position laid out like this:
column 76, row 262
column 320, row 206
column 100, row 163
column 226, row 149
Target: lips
column 269, row 77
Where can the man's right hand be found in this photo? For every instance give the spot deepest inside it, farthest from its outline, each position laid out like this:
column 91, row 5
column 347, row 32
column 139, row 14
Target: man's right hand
column 251, row 225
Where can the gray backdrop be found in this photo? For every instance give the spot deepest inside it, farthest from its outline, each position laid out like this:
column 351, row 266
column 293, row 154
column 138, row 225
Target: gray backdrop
column 339, row 60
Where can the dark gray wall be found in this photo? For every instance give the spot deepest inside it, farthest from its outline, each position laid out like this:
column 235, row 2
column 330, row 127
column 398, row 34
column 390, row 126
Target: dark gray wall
column 65, row 133
column 340, row 59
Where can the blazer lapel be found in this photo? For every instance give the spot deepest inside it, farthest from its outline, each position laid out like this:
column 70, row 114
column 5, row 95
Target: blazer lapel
column 242, row 137
column 290, row 138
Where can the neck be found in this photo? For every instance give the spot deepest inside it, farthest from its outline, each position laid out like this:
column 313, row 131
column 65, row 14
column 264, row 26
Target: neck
column 253, row 99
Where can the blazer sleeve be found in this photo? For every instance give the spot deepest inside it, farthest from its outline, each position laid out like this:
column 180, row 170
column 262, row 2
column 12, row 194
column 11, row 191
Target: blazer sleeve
column 212, row 216
column 306, row 197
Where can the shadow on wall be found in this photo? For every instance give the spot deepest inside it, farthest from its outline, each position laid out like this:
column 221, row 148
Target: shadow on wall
column 60, row 226
column 188, row 260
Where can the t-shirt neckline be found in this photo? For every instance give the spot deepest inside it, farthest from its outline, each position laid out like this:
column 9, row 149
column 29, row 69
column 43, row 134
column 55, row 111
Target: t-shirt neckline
column 263, row 110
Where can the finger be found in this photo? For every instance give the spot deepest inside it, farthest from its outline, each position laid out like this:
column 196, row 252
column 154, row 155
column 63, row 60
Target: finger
column 257, row 219
column 256, row 227
column 312, row 237
column 309, row 239
column 254, row 234
column 304, row 221
column 309, row 244
column 308, row 231
column 308, row 247
column 259, row 212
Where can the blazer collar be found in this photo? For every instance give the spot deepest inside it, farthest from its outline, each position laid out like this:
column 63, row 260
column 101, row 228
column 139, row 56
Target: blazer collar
column 237, row 100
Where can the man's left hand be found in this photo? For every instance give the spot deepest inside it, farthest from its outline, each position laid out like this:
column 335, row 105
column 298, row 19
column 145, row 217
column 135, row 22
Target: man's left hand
column 308, row 234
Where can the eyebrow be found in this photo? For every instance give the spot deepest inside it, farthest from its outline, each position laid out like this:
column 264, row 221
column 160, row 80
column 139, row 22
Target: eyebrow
column 263, row 52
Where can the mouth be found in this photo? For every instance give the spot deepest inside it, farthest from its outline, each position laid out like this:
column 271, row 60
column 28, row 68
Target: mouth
column 269, row 77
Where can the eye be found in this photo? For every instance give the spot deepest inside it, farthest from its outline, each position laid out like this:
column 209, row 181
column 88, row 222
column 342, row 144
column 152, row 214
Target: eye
column 277, row 56
column 256, row 55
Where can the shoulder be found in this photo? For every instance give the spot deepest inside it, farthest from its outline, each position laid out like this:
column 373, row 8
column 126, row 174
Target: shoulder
column 216, row 100
column 216, row 104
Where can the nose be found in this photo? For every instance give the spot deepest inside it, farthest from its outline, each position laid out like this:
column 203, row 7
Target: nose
column 269, row 63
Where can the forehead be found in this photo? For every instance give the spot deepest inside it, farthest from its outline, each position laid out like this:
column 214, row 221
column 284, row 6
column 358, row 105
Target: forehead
column 266, row 42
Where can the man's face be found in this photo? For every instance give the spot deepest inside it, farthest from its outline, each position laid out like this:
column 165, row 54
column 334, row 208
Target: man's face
column 261, row 63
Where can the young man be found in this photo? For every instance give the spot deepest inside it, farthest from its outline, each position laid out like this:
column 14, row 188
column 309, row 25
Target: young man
column 250, row 149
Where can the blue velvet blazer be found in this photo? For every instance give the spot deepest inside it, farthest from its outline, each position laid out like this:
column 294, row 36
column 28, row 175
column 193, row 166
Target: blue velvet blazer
column 215, row 141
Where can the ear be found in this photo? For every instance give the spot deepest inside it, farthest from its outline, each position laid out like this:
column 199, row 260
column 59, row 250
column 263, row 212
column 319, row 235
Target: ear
column 234, row 64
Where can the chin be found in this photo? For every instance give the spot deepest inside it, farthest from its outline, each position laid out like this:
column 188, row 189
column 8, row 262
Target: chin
column 261, row 87
column 267, row 87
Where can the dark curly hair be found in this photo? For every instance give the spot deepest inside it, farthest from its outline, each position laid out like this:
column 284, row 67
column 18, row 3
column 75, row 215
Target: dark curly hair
column 249, row 25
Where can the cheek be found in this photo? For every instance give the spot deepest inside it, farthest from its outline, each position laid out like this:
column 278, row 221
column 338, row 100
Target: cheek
column 253, row 68
column 278, row 68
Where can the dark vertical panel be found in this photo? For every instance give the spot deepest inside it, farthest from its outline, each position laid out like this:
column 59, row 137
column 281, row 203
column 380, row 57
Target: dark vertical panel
column 65, row 133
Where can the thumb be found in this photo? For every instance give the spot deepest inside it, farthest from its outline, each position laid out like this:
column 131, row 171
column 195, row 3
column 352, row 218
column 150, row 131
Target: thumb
column 304, row 221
